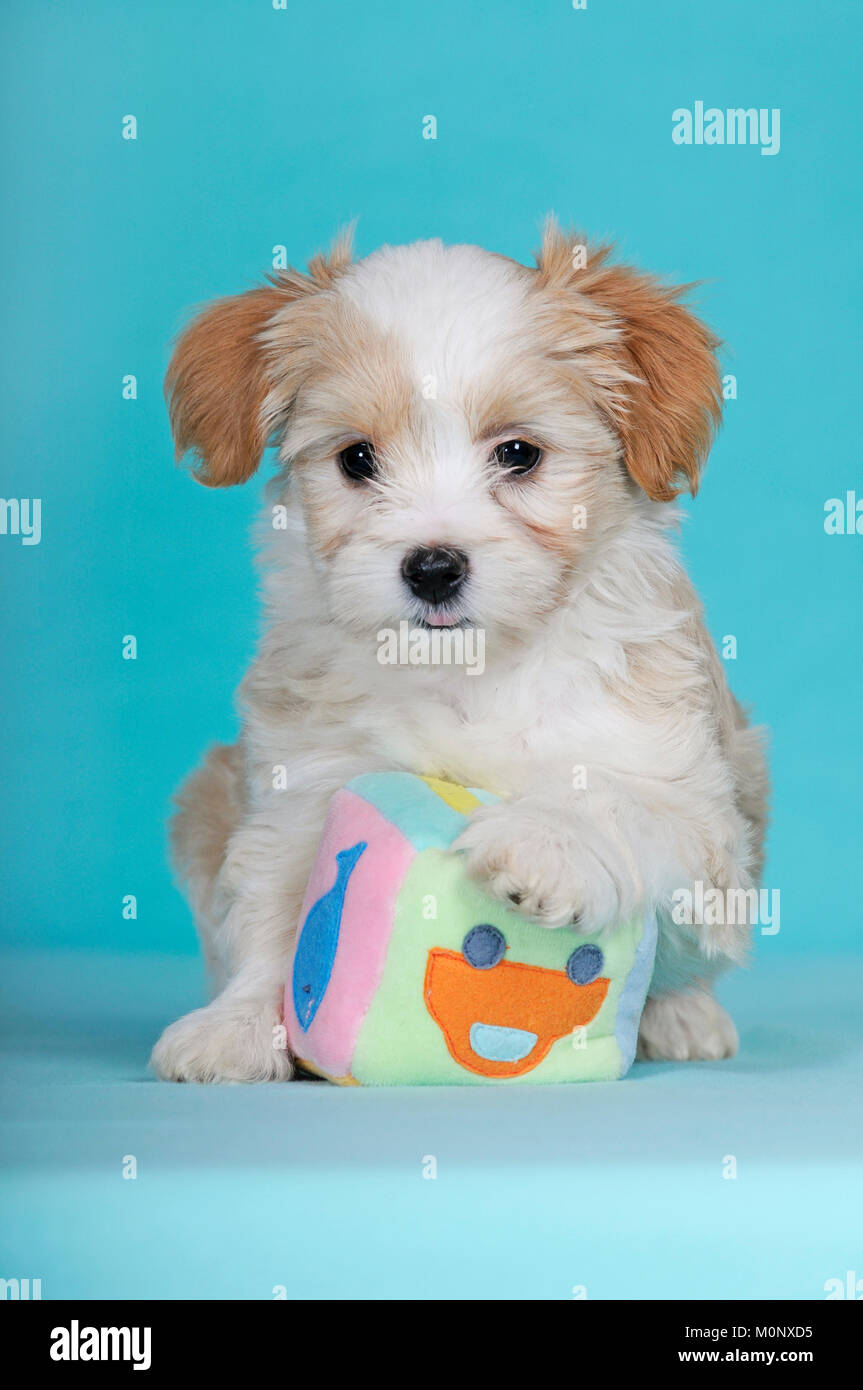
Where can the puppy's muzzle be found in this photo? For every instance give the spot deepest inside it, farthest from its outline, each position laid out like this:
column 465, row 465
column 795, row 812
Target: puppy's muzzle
column 435, row 574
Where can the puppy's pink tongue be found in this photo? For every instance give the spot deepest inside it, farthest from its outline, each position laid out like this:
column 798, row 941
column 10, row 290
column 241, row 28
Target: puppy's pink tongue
column 440, row 619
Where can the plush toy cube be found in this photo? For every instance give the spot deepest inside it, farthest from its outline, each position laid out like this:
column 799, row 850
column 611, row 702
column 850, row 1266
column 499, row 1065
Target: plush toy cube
column 405, row 972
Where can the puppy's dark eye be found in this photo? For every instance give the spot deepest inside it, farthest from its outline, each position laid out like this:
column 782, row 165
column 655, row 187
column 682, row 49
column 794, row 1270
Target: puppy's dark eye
column 517, row 455
column 358, row 460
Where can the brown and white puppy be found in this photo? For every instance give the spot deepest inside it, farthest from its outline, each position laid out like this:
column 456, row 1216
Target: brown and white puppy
column 467, row 442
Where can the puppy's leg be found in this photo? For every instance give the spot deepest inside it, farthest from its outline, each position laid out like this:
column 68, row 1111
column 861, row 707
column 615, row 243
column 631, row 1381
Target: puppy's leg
column 686, row 1027
column 210, row 807
column 594, row 858
column 235, row 1038
column 682, row 1021
column 239, row 1036
column 554, row 865
column 597, row 861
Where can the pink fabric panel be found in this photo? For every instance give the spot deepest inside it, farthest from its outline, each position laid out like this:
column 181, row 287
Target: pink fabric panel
column 367, row 922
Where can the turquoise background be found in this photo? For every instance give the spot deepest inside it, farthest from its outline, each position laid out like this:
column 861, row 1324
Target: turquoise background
column 259, row 128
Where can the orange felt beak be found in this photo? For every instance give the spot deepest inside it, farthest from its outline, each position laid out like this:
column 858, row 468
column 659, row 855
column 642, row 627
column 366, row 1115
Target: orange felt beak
column 502, row 1021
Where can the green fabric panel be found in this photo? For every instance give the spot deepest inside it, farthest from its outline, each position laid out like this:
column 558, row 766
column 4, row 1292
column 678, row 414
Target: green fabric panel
column 401, row 1044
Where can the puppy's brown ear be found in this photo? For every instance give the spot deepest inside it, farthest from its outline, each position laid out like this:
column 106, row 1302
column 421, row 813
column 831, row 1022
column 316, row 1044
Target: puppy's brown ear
column 216, row 385
column 220, row 374
column 668, row 402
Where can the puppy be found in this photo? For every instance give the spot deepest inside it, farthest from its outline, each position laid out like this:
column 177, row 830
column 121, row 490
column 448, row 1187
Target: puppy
column 466, row 442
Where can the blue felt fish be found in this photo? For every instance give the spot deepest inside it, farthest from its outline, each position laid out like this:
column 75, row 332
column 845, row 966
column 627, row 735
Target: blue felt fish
column 316, row 950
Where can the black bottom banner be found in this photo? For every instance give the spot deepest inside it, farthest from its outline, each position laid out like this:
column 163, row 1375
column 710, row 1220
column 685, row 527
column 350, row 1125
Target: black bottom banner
column 261, row 1339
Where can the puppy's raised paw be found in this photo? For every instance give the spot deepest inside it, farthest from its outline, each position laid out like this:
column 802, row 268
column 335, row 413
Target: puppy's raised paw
column 223, row 1042
column 521, row 854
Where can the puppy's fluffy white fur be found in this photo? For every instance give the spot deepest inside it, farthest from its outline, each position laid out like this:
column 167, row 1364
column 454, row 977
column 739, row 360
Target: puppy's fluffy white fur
column 597, row 657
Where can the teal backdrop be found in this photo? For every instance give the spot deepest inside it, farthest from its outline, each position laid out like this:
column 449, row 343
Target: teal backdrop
column 260, row 127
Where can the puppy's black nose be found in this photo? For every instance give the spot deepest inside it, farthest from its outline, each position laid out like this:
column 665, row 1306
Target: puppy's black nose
column 435, row 575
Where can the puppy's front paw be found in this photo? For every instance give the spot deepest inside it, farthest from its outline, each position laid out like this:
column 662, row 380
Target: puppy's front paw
column 685, row 1028
column 521, row 854
column 223, row 1042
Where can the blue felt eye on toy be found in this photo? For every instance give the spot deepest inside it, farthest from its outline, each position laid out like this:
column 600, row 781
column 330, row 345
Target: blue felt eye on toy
column 585, row 964
column 484, row 946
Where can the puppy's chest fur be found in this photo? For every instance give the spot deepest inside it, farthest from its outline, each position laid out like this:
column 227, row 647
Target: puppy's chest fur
column 502, row 733
column 532, row 726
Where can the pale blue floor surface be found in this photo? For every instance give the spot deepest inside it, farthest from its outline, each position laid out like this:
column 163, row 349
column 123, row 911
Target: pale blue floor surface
column 240, row 1190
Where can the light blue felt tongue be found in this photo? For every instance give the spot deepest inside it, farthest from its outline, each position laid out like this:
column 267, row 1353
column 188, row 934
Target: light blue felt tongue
column 497, row 1044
